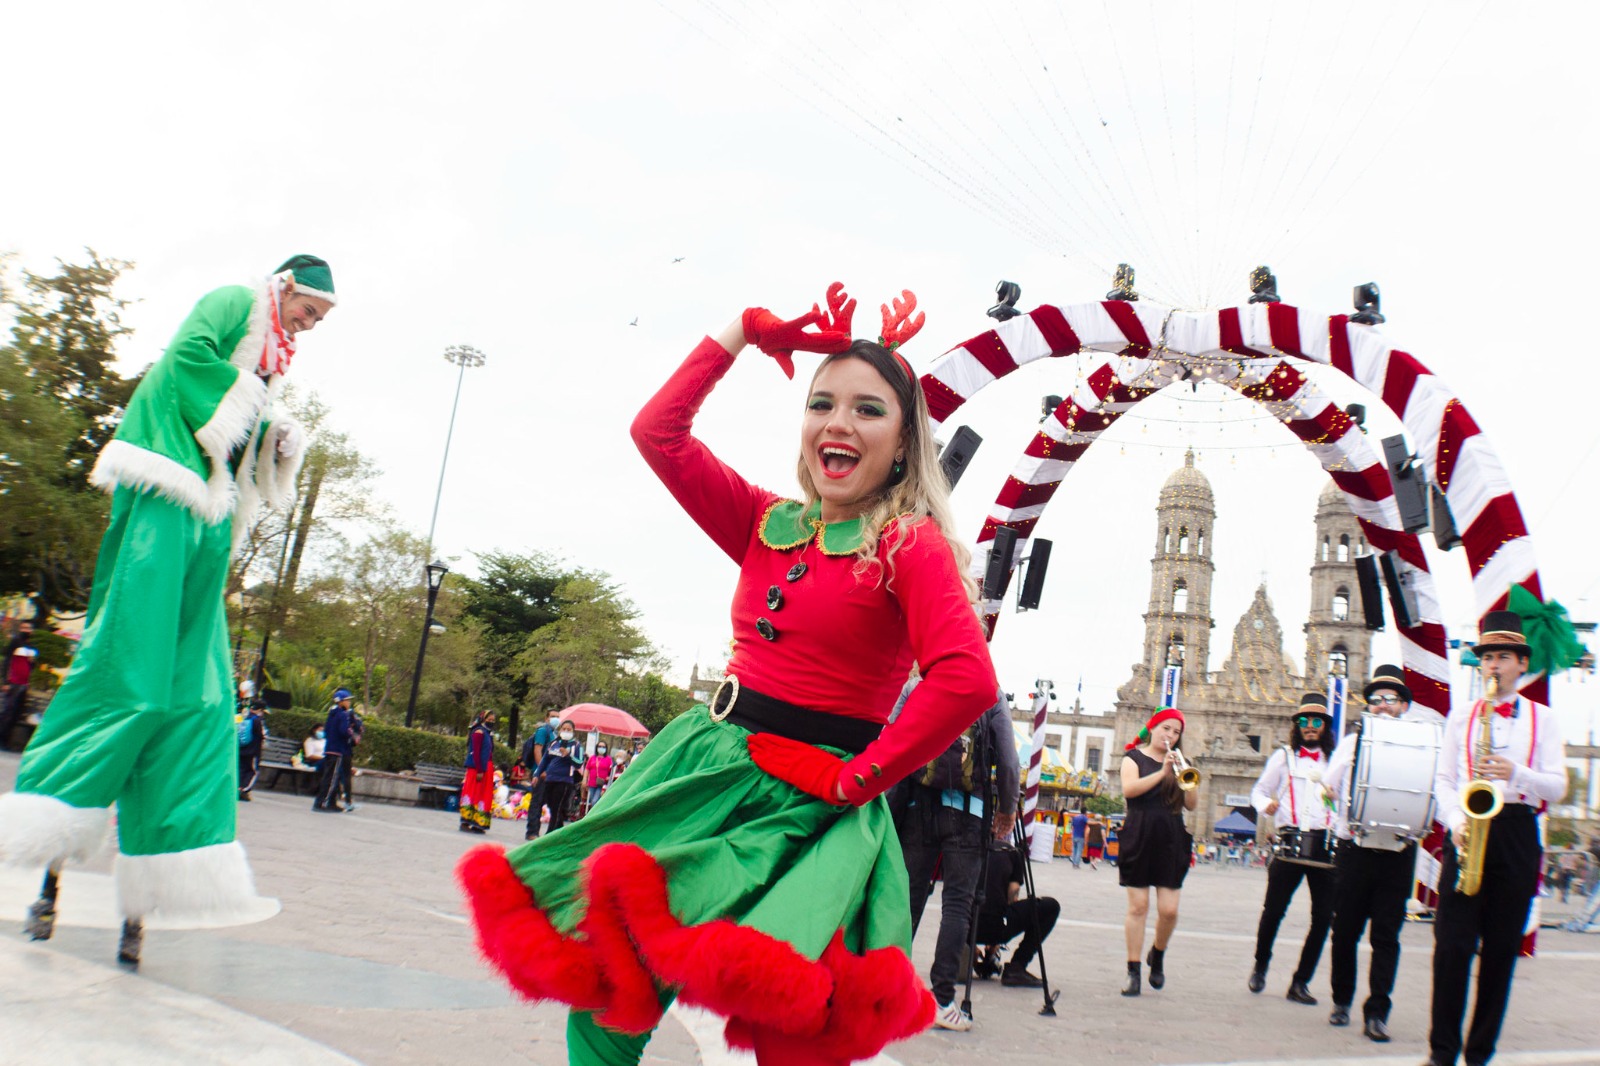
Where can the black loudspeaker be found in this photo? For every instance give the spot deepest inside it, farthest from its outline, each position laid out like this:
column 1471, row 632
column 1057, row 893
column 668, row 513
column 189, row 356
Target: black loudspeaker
column 1033, row 578
column 277, row 700
column 958, row 453
column 997, row 576
column 1371, row 592
column 1409, row 484
column 1444, row 523
column 1401, row 599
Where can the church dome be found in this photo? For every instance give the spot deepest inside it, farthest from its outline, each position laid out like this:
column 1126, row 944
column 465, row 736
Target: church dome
column 1187, row 481
column 1332, row 500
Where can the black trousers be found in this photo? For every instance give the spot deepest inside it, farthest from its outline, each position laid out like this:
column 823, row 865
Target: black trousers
column 1019, row 919
column 249, row 768
column 332, row 768
column 557, row 794
column 1490, row 925
column 933, row 833
column 1283, row 878
column 1373, row 886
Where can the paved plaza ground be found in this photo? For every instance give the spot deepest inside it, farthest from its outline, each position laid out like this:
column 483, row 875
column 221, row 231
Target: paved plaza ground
column 370, row 961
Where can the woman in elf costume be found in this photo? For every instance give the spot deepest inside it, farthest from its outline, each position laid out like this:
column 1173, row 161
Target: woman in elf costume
column 144, row 718
column 746, row 862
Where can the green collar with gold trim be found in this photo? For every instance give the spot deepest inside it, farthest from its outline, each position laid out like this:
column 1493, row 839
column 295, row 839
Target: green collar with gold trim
column 789, row 524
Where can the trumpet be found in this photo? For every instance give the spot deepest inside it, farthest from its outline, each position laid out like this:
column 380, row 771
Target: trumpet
column 1188, row 776
column 1481, row 799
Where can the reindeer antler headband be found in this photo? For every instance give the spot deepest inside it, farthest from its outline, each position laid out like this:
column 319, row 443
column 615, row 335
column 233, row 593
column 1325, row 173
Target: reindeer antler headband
column 898, row 324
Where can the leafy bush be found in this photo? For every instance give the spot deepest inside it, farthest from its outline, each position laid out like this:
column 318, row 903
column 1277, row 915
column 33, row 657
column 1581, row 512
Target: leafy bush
column 1104, row 804
column 391, row 748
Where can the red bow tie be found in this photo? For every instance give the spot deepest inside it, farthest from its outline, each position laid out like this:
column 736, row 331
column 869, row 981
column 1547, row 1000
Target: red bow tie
column 1505, row 710
column 1310, row 753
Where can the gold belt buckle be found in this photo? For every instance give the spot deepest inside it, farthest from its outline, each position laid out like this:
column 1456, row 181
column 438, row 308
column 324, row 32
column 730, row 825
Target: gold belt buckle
column 716, row 716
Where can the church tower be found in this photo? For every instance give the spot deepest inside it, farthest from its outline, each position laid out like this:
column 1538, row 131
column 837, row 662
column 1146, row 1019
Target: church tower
column 1337, row 639
column 1177, row 625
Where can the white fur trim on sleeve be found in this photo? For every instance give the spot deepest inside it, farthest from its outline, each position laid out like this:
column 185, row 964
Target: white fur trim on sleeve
column 37, row 830
column 247, row 353
column 276, row 473
column 123, row 464
column 202, row 887
column 235, row 417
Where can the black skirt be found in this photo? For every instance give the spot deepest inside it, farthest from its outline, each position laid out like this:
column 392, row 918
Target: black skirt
column 1153, row 850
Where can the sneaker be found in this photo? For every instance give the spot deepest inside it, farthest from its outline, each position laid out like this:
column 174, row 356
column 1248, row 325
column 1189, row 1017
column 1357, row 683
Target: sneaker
column 953, row 1017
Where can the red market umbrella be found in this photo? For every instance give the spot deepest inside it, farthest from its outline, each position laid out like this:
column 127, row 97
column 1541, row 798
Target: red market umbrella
column 600, row 718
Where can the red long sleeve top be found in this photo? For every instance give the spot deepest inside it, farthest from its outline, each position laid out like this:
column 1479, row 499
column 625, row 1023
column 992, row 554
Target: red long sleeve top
column 842, row 637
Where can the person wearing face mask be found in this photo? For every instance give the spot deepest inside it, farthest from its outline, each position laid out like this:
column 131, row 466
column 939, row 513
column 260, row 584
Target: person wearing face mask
column 1154, row 845
column 533, row 750
column 1291, row 792
column 597, row 772
column 151, row 687
column 748, row 860
column 477, row 786
column 557, row 771
column 314, row 747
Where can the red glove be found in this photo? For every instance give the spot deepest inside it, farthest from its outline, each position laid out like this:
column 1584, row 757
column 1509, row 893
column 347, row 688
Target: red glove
column 781, row 339
column 805, row 766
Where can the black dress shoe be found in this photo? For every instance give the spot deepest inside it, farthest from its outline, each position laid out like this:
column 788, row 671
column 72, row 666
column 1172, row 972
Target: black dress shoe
column 1258, row 980
column 1340, row 1015
column 1299, row 993
column 1017, row 977
column 1377, row 1031
column 1156, row 960
column 1132, row 987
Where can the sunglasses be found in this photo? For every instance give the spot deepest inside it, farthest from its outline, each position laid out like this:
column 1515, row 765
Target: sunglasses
column 1310, row 721
column 1384, row 700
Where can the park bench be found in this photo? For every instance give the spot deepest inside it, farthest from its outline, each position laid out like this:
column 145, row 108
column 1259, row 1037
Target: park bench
column 277, row 754
column 439, row 783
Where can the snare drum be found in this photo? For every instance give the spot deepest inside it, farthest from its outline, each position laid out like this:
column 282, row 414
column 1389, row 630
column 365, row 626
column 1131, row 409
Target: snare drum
column 1308, row 847
column 1391, row 798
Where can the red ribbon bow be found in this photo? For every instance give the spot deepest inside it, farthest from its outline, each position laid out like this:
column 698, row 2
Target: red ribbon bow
column 1505, row 710
column 1311, row 753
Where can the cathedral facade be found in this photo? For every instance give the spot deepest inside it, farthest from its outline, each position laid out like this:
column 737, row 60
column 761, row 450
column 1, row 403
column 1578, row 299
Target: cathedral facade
column 1238, row 713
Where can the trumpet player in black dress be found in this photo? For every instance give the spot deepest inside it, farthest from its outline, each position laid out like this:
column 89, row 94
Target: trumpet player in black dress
column 1502, row 758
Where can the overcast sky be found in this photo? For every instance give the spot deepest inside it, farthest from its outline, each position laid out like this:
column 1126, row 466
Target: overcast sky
column 521, row 177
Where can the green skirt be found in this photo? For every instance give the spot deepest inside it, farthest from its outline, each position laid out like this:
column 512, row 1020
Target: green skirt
column 700, row 875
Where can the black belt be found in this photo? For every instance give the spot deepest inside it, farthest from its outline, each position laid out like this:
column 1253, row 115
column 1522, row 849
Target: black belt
column 760, row 713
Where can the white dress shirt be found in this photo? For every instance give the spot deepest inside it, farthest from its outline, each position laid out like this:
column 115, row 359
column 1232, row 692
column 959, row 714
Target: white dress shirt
column 1342, row 762
column 1304, row 780
column 1530, row 738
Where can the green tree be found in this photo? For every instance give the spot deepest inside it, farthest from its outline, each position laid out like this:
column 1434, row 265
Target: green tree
column 513, row 597
column 1104, row 804
column 650, row 698
column 62, row 401
column 578, row 656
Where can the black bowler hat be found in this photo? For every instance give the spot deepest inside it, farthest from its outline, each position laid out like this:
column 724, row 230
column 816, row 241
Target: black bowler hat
column 1314, row 701
column 1502, row 631
column 1389, row 677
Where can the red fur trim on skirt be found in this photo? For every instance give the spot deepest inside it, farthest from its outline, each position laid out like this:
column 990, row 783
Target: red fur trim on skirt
column 843, row 1005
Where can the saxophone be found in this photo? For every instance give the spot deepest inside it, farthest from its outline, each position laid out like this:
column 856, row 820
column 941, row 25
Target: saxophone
column 1481, row 799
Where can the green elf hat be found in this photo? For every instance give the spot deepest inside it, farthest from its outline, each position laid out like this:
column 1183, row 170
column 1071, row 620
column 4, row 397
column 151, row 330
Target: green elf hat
column 311, row 276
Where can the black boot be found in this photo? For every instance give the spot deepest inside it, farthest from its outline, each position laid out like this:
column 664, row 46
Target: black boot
column 1299, row 993
column 1158, row 976
column 41, row 920
column 1132, row 987
column 131, row 944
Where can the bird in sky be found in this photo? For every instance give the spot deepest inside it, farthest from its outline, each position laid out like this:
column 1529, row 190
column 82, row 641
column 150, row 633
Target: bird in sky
column 679, row 259
column 635, row 321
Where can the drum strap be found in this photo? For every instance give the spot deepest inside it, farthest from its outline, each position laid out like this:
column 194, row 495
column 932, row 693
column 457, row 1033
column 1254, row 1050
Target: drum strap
column 1288, row 768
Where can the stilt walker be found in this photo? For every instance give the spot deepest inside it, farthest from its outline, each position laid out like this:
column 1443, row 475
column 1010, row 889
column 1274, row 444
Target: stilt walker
column 144, row 719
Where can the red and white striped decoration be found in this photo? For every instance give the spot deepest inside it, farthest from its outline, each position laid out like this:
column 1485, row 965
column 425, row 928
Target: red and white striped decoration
column 1030, row 792
column 1251, row 349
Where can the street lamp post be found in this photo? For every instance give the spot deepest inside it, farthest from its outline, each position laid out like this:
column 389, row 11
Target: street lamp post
column 435, row 571
column 463, row 356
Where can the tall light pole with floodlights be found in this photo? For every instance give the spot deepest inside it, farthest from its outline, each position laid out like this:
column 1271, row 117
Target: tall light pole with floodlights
column 463, row 356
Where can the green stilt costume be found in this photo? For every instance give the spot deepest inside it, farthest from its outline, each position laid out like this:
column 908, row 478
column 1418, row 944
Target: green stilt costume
column 144, row 719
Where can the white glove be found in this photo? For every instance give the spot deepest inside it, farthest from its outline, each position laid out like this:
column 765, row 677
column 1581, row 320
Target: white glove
column 290, row 438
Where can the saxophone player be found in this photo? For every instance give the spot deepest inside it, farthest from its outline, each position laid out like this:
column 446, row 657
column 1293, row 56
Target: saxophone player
column 1515, row 744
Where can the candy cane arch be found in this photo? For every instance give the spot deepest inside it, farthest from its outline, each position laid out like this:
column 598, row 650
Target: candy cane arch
column 1254, row 350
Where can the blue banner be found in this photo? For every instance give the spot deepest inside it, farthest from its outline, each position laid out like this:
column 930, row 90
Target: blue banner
column 1338, row 687
column 1169, row 686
